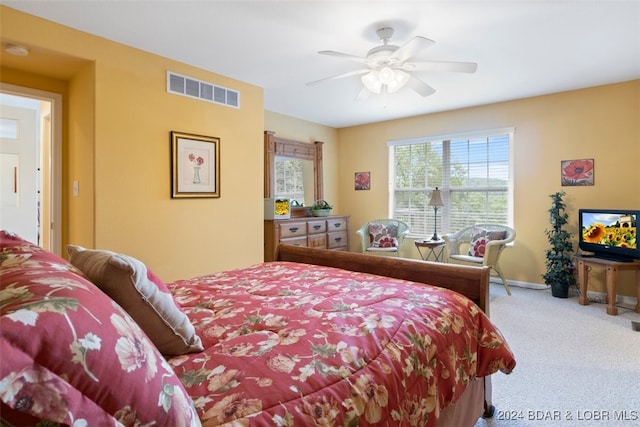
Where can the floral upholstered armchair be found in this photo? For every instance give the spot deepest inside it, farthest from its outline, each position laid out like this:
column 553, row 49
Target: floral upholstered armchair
column 383, row 236
column 480, row 244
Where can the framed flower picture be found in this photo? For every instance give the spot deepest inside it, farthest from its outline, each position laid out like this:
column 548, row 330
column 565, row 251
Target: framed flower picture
column 577, row 172
column 195, row 166
column 363, row 181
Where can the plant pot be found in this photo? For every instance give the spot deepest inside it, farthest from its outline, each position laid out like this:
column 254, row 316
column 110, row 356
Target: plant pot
column 559, row 291
column 320, row 212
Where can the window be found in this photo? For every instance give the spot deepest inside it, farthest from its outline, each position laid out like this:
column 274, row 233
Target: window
column 8, row 128
column 289, row 178
column 473, row 172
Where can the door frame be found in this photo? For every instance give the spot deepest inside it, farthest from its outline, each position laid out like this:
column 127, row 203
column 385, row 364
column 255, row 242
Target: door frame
column 55, row 158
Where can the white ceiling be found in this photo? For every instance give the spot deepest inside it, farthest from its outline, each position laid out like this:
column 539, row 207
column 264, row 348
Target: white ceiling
column 523, row 48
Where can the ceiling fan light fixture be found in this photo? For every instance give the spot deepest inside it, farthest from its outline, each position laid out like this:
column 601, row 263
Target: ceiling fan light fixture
column 372, row 81
column 388, row 78
column 387, row 75
column 400, row 78
column 387, row 68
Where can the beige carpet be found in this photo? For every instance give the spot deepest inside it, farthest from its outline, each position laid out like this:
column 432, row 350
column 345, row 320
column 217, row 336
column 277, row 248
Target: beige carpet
column 576, row 365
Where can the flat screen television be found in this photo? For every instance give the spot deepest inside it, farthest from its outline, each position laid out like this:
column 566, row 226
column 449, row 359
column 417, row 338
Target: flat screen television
column 609, row 233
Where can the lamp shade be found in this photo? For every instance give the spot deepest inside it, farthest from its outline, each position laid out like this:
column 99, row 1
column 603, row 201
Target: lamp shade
column 436, row 198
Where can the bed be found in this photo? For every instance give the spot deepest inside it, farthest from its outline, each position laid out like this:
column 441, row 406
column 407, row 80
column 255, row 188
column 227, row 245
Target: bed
column 317, row 337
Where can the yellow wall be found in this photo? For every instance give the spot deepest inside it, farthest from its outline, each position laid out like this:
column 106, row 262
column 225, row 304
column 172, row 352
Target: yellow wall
column 602, row 123
column 305, row 131
column 79, row 158
column 117, row 120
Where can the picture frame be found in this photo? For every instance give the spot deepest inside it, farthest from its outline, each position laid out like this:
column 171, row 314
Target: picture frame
column 195, row 166
column 362, row 181
column 577, row 172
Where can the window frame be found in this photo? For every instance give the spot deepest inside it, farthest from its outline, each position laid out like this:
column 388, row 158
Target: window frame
column 443, row 212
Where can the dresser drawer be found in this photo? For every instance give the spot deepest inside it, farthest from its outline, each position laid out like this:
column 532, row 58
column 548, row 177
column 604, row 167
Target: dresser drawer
column 337, row 239
column 317, row 241
column 336, row 224
column 295, row 241
column 330, row 232
column 293, row 229
column 318, row 226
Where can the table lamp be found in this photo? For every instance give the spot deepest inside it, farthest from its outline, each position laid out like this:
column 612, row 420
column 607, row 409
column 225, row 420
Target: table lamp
column 436, row 202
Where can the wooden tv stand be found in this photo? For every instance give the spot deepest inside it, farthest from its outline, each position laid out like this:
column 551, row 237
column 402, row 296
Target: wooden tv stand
column 611, row 271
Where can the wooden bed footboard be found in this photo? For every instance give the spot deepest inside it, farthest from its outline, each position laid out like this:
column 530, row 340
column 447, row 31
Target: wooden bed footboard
column 472, row 282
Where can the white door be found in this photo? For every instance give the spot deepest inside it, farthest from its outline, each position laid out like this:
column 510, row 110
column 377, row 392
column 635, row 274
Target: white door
column 19, row 172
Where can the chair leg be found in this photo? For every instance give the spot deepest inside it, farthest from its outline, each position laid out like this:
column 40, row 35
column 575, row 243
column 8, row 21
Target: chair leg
column 504, row 282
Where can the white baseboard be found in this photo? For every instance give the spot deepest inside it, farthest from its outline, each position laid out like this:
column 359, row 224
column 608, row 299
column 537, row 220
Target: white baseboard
column 601, row 297
column 518, row 284
column 528, row 285
column 592, row 295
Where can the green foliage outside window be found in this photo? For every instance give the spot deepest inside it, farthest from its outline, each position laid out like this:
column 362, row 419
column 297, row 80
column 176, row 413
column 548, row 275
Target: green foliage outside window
column 473, row 175
column 289, row 178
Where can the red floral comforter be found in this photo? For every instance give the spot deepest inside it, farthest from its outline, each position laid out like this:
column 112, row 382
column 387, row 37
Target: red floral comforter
column 291, row 344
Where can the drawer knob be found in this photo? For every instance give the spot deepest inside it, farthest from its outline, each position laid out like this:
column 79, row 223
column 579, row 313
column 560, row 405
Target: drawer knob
column 336, row 224
column 338, row 239
column 316, row 227
column 293, row 229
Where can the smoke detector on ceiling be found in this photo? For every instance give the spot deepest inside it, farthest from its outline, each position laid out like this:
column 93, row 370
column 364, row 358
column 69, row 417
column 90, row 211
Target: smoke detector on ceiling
column 17, row 50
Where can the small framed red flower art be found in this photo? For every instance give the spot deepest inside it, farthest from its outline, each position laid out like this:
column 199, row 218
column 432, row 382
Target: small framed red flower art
column 195, row 165
column 577, row 172
column 363, row 181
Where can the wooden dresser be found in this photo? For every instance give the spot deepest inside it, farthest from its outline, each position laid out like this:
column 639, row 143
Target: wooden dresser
column 331, row 232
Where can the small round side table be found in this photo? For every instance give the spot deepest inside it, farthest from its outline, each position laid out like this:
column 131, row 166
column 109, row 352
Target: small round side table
column 432, row 248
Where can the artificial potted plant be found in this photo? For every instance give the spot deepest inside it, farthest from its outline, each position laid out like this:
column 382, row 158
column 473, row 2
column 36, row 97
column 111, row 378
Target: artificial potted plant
column 320, row 208
column 560, row 274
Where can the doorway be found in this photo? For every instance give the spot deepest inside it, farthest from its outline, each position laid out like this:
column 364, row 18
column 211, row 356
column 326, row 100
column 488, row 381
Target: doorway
column 30, row 165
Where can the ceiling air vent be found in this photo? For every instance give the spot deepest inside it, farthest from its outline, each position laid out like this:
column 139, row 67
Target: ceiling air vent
column 194, row 88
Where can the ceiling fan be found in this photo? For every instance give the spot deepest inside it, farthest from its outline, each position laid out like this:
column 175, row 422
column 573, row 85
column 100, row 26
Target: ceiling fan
column 389, row 67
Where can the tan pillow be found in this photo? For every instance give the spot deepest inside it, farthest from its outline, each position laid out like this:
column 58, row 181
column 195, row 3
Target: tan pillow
column 142, row 294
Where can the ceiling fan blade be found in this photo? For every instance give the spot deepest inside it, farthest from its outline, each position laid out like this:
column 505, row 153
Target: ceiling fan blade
column 339, row 76
column 343, row 55
column 459, row 67
column 363, row 95
column 419, row 86
column 411, row 47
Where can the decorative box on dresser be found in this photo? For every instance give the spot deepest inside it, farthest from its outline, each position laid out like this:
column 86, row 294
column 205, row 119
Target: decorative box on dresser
column 330, row 232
